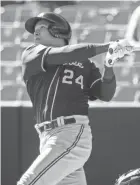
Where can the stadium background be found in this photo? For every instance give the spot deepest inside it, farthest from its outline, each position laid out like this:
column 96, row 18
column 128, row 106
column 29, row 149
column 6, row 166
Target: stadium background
column 115, row 125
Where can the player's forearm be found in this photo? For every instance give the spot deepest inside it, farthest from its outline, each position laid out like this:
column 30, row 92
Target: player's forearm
column 78, row 52
column 105, row 87
column 108, row 73
column 94, row 49
column 108, row 84
column 101, row 48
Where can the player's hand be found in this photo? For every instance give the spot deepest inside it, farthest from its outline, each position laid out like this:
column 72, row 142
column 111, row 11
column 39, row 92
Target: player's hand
column 115, row 52
column 122, row 44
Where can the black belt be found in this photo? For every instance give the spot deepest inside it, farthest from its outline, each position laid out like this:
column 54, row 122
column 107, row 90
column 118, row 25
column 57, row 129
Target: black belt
column 53, row 124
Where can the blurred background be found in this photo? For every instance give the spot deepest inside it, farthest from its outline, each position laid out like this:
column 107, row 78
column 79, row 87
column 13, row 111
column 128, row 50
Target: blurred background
column 115, row 124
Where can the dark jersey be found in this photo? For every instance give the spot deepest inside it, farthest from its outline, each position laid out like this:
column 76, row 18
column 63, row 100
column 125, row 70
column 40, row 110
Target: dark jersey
column 57, row 90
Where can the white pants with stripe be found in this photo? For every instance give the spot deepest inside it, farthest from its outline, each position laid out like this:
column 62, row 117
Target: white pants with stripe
column 63, row 153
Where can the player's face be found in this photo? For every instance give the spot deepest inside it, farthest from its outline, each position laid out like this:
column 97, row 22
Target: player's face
column 42, row 35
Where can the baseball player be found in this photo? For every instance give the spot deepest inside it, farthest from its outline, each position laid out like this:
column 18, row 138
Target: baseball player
column 60, row 79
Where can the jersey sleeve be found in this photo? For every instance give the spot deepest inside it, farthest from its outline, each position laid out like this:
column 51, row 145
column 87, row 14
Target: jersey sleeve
column 76, row 52
column 32, row 62
column 95, row 76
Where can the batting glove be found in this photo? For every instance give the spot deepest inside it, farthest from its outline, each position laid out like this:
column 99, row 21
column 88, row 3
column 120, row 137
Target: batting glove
column 123, row 46
column 115, row 52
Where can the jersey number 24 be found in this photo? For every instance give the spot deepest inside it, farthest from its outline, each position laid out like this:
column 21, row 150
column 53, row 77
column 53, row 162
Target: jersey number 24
column 69, row 76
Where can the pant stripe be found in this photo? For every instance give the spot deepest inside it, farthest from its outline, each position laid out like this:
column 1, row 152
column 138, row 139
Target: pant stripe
column 59, row 157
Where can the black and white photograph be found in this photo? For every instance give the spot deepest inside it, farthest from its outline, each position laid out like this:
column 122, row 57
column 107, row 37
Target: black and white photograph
column 70, row 92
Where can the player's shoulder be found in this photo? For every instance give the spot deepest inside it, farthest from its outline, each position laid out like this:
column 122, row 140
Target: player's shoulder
column 27, row 51
column 31, row 51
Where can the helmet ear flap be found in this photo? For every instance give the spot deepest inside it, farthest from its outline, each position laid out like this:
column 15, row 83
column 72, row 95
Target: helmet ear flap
column 58, row 32
column 53, row 30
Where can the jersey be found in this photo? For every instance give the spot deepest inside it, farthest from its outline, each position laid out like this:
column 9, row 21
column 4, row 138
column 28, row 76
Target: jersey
column 57, row 90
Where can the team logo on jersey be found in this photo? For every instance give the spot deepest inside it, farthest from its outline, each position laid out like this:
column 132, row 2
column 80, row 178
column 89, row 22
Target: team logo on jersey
column 78, row 64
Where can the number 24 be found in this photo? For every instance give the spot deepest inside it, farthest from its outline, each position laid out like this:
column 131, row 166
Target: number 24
column 69, row 76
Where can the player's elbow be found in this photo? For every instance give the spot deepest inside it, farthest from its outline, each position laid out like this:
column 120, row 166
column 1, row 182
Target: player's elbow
column 103, row 90
column 107, row 91
column 106, row 98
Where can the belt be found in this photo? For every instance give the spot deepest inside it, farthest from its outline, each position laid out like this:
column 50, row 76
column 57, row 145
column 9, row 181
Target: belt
column 60, row 121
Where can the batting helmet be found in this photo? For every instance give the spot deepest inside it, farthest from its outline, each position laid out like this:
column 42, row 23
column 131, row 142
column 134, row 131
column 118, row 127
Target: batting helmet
column 58, row 27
